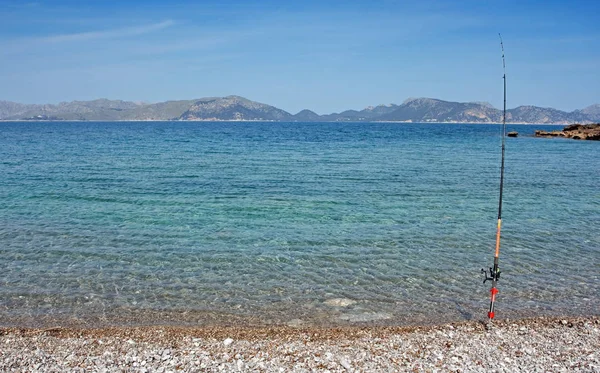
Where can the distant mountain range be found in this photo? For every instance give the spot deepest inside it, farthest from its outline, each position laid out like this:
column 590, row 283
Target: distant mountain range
column 230, row 108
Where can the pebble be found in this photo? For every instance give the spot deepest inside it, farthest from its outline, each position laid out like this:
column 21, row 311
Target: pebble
column 339, row 302
column 544, row 347
column 345, row 364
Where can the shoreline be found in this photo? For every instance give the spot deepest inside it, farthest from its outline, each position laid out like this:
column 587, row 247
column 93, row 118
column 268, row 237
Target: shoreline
column 316, row 332
column 331, row 318
column 533, row 344
column 267, row 121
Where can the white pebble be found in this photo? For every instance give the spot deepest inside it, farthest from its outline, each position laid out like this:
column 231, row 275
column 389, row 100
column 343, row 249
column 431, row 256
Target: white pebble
column 345, row 364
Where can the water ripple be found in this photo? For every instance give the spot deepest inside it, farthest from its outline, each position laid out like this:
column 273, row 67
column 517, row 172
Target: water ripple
column 276, row 222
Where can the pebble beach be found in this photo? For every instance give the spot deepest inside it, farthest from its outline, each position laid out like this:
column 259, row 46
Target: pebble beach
column 526, row 345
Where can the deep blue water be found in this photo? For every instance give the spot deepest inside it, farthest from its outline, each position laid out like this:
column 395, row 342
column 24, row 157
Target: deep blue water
column 275, row 222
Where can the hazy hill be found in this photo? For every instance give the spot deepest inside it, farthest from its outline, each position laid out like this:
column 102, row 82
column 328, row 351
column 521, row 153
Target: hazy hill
column 592, row 112
column 534, row 114
column 168, row 110
column 233, row 108
column 9, row 109
column 240, row 108
column 307, row 116
column 432, row 110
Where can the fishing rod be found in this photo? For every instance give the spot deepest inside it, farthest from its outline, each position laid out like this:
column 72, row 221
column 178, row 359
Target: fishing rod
column 494, row 274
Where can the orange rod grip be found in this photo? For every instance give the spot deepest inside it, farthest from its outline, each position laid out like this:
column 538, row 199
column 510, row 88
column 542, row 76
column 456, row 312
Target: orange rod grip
column 498, row 238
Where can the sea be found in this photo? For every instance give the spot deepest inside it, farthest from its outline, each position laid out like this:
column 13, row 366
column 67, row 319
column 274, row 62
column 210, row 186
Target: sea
column 298, row 224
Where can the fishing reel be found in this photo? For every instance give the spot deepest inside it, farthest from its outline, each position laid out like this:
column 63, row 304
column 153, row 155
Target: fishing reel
column 493, row 276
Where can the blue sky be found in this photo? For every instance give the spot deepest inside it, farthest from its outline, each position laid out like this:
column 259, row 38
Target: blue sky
column 327, row 56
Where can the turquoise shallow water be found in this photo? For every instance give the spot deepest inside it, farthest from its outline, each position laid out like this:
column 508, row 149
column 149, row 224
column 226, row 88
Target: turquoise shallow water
column 291, row 223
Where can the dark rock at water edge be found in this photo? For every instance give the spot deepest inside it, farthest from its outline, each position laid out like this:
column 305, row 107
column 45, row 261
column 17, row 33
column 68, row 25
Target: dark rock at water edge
column 574, row 131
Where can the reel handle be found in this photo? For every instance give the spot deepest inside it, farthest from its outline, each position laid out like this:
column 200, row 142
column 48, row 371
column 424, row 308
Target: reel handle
column 492, row 276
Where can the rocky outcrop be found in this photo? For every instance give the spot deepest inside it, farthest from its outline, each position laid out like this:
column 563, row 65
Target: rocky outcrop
column 574, row 131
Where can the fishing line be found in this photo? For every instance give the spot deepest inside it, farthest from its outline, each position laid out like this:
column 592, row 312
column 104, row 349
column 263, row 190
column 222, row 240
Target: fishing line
column 494, row 274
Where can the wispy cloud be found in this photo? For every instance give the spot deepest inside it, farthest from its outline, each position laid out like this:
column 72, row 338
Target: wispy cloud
column 108, row 34
column 26, row 47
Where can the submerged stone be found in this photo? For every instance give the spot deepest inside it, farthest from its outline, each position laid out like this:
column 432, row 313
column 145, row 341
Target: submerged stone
column 339, row 302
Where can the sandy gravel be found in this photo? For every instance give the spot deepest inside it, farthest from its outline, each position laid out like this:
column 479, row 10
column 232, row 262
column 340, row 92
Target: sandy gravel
column 531, row 345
